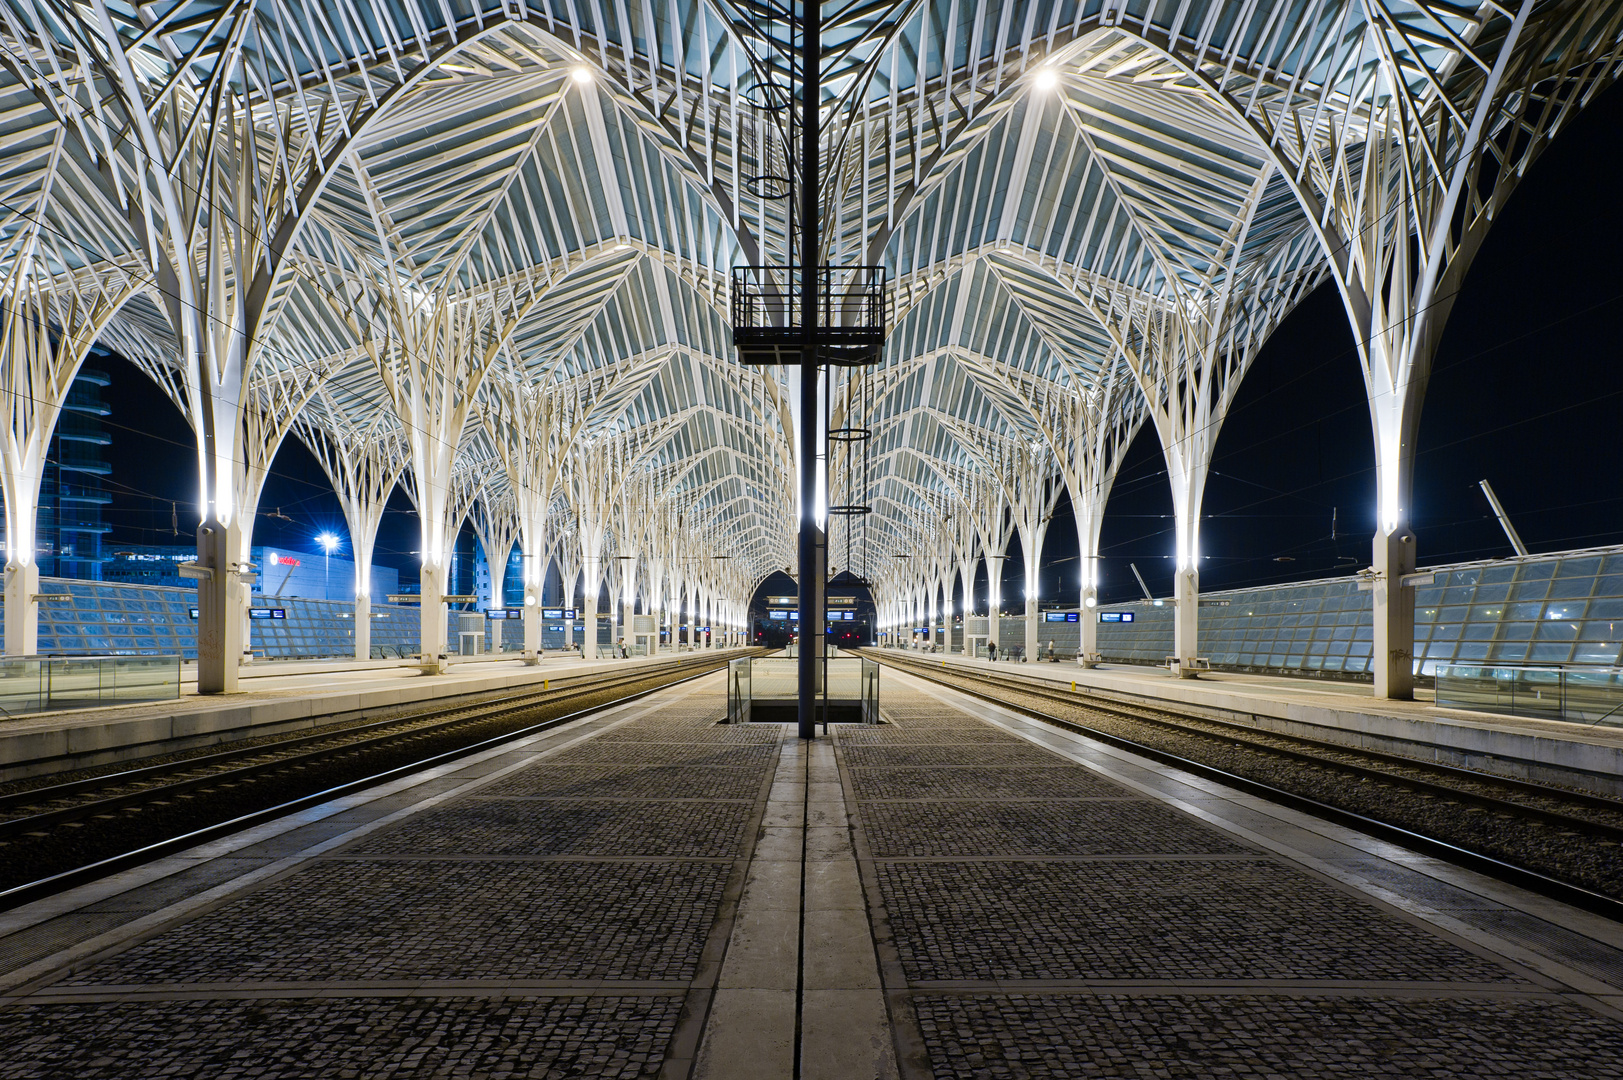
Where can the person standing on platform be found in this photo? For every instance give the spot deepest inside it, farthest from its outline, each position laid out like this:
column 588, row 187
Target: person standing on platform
column 991, row 651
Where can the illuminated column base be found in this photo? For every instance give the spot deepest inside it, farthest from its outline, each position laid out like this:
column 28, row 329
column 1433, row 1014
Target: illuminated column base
column 1087, row 653
column 532, row 624
column 22, row 610
column 219, row 609
column 1392, row 648
column 1186, row 622
column 588, row 645
column 434, row 627
column 363, row 627
column 1033, row 643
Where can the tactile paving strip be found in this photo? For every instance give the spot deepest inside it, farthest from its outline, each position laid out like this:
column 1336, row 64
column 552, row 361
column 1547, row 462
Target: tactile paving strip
column 965, row 754
column 630, row 781
column 1184, row 920
column 662, row 753
column 928, row 829
column 362, row 920
column 1040, row 1037
column 889, row 735
column 607, row 1038
column 667, row 829
column 1052, row 782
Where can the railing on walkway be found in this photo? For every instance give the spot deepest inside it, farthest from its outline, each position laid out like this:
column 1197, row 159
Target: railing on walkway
column 768, row 687
column 1592, row 695
column 870, row 691
column 738, row 690
column 42, row 684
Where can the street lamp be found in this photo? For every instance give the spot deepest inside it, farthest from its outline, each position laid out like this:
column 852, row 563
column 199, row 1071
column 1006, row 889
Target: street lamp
column 329, row 542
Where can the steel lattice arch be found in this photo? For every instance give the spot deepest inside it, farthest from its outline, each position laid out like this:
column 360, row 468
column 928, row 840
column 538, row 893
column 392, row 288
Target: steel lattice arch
column 481, row 248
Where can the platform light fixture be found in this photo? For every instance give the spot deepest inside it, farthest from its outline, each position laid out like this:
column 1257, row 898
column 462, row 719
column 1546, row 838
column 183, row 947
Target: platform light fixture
column 329, row 543
column 1046, row 78
column 582, row 74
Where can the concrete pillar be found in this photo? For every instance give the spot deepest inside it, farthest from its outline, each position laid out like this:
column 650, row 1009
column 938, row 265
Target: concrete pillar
column 1392, row 647
column 1186, row 620
column 532, row 622
column 589, row 621
column 1088, row 623
column 219, row 608
column 22, row 610
column 994, row 597
column 363, row 626
column 434, row 630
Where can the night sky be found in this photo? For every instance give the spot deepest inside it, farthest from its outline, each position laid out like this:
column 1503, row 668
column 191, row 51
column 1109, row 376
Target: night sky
column 1527, row 391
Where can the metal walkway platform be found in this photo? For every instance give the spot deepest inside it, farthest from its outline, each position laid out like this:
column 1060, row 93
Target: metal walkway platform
column 957, row 893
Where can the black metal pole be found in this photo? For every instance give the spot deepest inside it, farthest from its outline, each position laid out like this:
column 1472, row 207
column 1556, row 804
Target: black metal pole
column 811, row 582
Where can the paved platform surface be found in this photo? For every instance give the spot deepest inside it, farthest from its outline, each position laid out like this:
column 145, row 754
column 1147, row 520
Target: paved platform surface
column 1543, row 750
column 275, row 697
column 957, row 893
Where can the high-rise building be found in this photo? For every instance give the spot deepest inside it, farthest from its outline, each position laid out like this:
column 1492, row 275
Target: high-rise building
column 73, row 490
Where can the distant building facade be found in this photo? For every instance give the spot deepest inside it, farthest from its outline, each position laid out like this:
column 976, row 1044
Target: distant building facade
column 281, row 572
column 73, row 487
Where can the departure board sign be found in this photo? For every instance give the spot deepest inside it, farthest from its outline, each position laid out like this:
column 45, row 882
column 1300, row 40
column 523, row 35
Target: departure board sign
column 267, row 613
column 778, row 615
column 1115, row 616
column 1060, row 616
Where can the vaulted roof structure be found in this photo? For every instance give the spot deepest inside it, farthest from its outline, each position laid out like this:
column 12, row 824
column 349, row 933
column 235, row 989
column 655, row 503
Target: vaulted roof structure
column 508, row 225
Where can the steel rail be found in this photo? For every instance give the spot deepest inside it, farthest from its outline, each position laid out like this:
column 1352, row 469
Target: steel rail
column 1521, row 876
column 55, row 883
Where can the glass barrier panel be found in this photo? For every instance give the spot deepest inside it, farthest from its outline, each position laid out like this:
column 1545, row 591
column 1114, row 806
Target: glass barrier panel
column 73, row 683
column 144, row 678
column 774, row 679
column 1584, row 695
column 1595, row 696
column 22, row 687
column 843, row 679
column 30, row 684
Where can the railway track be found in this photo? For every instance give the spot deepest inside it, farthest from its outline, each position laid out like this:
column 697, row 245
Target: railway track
column 1559, row 842
column 57, row 835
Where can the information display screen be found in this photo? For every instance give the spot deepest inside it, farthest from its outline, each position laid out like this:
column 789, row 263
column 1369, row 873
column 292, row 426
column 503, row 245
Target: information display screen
column 1115, row 616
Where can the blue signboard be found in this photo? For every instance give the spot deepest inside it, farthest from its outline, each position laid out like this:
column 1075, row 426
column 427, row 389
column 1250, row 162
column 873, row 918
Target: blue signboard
column 1115, row 616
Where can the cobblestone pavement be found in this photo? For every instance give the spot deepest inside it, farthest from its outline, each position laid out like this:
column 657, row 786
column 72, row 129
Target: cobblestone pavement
column 564, row 918
column 660, row 896
column 1036, row 919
